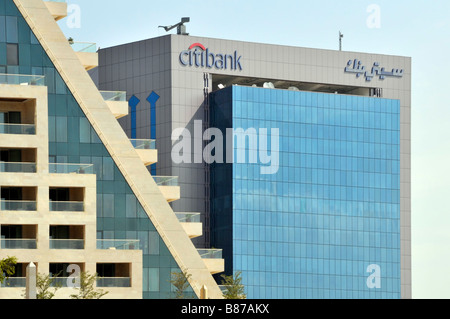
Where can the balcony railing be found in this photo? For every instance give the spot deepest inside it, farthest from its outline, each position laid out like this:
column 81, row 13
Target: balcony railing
column 66, row 244
column 18, row 205
column 119, row 96
column 166, row 180
column 210, row 253
column 121, row 282
column 14, row 282
column 56, row 168
column 143, row 144
column 66, row 206
column 20, row 79
column 10, row 167
column 18, row 129
column 64, row 282
column 188, row 217
column 18, row 243
column 84, row 47
column 125, row 244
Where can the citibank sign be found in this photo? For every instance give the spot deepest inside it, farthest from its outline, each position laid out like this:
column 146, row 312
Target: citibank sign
column 199, row 56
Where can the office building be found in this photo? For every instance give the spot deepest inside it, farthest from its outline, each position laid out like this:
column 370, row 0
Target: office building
column 328, row 213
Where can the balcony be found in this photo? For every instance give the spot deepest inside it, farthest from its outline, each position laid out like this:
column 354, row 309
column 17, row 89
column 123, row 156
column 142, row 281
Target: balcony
column 191, row 224
column 19, row 79
column 63, row 199
column 118, row 244
column 66, row 237
column 118, row 282
column 117, row 102
column 14, row 282
column 213, row 260
column 18, row 243
column 146, row 150
column 114, row 275
column 57, row 8
column 15, row 160
column 168, row 186
column 18, row 205
column 18, row 236
column 66, row 206
column 18, row 129
column 10, row 167
column 66, row 244
column 56, row 168
column 87, row 54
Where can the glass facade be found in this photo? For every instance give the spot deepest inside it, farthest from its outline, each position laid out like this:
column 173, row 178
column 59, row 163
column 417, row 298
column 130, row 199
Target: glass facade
column 317, row 227
column 73, row 140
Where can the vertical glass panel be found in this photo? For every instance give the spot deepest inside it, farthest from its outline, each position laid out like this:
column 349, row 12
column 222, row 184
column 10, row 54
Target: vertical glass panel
column 12, row 33
column 153, row 279
column 61, row 129
column 85, row 130
column 108, row 205
column 153, row 243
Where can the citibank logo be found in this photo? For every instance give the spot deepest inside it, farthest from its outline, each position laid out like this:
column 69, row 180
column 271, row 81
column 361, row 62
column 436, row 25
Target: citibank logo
column 199, row 56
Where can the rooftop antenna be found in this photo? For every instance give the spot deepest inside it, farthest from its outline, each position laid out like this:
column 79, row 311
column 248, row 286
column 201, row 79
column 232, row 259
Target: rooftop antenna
column 340, row 40
column 181, row 28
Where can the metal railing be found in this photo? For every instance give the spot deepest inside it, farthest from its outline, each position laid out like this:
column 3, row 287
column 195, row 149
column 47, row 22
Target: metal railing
column 18, row 129
column 66, row 206
column 11, row 167
column 143, row 144
column 22, row 205
column 210, row 253
column 14, row 282
column 66, row 243
column 125, row 244
column 166, row 180
column 121, row 282
column 188, row 217
column 57, row 168
column 20, row 79
column 18, row 243
column 88, row 47
column 120, row 96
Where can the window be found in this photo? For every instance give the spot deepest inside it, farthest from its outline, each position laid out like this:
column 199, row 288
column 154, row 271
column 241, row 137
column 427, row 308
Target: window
column 12, row 54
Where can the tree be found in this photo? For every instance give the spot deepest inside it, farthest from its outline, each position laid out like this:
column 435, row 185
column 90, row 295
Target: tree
column 7, row 268
column 86, row 289
column 46, row 286
column 180, row 280
column 234, row 289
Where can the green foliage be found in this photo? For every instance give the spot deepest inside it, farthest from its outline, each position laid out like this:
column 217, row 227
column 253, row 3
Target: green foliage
column 7, row 268
column 180, row 280
column 234, row 287
column 46, row 287
column 86, row 289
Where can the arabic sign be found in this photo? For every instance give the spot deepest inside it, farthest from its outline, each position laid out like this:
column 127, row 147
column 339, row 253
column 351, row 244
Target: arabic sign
column 355, row 67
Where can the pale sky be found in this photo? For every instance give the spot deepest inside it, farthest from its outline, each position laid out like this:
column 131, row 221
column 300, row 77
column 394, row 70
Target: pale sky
column 416, row 28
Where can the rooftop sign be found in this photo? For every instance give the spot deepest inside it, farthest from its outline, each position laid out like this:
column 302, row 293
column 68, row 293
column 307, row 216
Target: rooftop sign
column 354, row 66
column 199, row 56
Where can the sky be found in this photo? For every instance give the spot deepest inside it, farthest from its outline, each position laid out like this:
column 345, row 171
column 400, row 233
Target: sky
column 415, row 28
